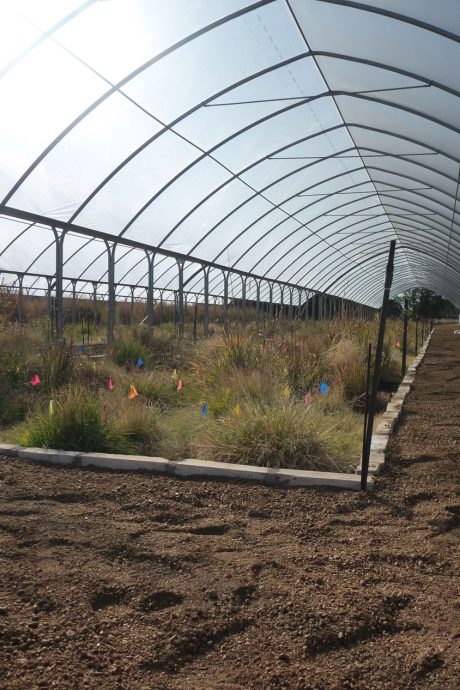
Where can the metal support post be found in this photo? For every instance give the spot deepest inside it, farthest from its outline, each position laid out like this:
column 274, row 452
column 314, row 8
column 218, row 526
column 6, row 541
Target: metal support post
column 404, row 343
column 206, row 301
column 377, row 364
column 74, row 301
column 48, row 296
column 243, row 298
column 225, row 301
column 111, row 293
column 150, row 281
column 95, row 303
column 20, row 298
column 131, row 311
column 180, row 298
column 59, row 240
column 271, row 310
column 257, row 303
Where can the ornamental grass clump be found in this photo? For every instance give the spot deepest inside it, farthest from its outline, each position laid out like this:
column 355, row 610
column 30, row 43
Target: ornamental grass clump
column 57, row 365
column 286, row 435
column 81, row 420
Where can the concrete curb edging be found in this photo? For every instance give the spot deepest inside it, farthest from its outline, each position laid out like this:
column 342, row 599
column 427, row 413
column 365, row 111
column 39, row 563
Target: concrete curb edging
column 384, row 430
column 185, row 468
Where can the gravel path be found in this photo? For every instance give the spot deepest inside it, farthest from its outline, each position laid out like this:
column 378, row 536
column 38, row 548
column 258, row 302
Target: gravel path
column 131, row 582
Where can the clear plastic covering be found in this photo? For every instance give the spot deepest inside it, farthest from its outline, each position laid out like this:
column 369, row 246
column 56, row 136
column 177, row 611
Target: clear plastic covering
column 290, row 139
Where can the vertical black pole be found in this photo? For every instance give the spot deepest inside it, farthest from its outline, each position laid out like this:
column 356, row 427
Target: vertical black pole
column 366, row 399
column 257, row 304
column 74, row 301
column 59, row 240
column 404, row 346
column 225, row 302
column 206, row 301
column 243, row 299
column 378, row 364
column 150, row 286
column 111, row 293
column 195, row 314
column 180, row 298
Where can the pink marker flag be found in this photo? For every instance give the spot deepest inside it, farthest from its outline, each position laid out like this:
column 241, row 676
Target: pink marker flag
column 398, row 344
column 308, row 399
column 36, row 380
column 180, row 385
column 110, row 385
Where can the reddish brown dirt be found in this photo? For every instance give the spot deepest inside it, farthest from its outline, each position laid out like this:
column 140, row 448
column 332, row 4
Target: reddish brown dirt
column 129, row 582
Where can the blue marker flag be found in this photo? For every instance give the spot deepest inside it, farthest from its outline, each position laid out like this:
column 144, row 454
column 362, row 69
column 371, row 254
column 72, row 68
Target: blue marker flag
column 82, row 348
column 140, row 361
column 204, row 409
column 323, row 388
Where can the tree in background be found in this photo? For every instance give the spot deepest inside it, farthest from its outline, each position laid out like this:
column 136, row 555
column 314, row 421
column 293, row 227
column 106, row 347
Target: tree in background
column 423, row 304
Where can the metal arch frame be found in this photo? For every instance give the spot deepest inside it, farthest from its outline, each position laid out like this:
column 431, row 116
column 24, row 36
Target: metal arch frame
column 311, row 220
column 340, row 126
column 384, row 243
column 114, row 239
column 376, row 64
column 128, row 78
column 327, row 54
column 395, row 15
column 292, row 173
column 411, row 249
column 257, row 220
column 179, row 119
column 360, row 6
column 358, row 184
column 344, row 239
column 327, row 94
column 396, row 174
column 320, row 182
column 402, row 282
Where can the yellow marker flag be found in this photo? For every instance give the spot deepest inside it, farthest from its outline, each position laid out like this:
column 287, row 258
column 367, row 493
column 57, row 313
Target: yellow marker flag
column 51, row 408
column 132, row 392
column 237, row 410
column 174, row 376
column 286, row 391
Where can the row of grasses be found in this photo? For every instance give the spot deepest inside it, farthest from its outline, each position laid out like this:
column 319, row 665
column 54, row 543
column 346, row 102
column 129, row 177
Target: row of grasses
column 260, row 387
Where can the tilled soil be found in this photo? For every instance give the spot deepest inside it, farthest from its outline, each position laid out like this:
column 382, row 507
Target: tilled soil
column 136, row 582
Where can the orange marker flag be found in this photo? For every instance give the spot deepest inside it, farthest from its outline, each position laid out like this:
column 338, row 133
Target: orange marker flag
column 132, row 392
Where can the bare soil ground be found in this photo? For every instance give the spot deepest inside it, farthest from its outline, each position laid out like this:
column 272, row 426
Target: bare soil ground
column 131, row 582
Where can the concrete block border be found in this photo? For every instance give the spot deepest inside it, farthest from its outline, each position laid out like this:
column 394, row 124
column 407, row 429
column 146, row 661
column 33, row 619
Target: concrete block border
column 185, row 468
column 382, row 433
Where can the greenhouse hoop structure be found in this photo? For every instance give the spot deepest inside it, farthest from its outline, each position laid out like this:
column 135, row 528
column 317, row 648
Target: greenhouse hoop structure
column 262, row 153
